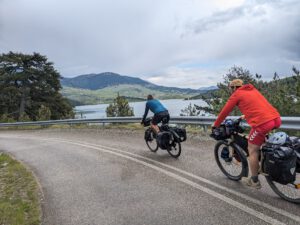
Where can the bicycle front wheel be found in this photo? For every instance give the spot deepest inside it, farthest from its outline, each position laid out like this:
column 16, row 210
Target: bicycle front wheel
column 151, row 141
column 289, row 192
column 232, row 162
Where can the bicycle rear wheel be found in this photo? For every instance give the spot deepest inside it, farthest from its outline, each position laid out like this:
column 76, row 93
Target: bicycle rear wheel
column 151, row 141
column 174, row 149
column 289, row 192
column 232, row 162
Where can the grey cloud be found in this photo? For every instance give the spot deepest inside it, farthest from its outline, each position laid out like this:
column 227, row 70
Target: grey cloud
column 294, row 47
column 219, row 19
column 142, row 38
column 251, row 8
column 265, row 1
column 292, row 40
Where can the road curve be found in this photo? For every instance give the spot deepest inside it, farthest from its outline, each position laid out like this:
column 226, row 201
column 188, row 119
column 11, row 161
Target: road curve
column 106, row 176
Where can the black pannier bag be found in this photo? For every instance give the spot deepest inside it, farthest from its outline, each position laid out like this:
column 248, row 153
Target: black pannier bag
column 181, row 132
column 220, row 133
column 147, row 136
column 163, row 139
column 295, row 142
column 280, row 163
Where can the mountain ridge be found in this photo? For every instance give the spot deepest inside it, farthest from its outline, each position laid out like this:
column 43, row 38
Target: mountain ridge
column 102, row 80
column 104, row 87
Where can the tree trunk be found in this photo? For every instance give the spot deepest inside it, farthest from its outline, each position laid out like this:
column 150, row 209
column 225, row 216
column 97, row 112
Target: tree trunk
column 22, row 104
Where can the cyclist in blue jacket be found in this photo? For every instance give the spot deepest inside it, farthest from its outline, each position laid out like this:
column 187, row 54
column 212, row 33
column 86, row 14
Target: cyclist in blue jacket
column 160, row 112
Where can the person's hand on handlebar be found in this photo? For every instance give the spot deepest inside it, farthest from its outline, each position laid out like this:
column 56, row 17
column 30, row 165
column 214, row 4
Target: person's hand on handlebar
column 237, row 121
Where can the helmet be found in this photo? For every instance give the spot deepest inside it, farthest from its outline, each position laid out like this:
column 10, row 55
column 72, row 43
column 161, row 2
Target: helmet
column 236, row 83
column 278, row 138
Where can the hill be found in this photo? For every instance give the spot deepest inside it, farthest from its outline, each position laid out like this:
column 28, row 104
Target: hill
column 99, row 81
column 133, row 93
column 104, row 87
column 107, row 79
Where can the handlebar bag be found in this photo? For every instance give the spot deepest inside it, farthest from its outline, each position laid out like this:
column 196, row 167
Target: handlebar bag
column 220, row 133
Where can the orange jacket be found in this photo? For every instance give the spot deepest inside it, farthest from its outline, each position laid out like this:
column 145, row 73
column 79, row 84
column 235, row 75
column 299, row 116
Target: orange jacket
column 252, row 104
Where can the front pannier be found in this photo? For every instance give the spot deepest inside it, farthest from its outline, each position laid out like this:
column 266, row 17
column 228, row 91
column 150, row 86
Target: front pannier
column 147, row 135
column 280, row 163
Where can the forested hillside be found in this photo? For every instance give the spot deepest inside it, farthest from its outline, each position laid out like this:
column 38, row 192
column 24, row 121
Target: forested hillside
column 109, row 79
column 108, row 94
column 104, row 87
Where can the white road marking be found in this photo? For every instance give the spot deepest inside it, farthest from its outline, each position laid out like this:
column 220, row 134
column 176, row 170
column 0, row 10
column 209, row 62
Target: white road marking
column 241, row 195
column 191, row 183
column 232, row 202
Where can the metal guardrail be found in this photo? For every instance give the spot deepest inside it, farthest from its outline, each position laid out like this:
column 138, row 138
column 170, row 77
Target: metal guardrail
column 289, row 123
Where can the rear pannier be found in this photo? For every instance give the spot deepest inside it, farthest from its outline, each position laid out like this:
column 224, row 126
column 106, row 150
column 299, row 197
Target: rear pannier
column 163, row 139
column 280, row 163
column 181, row 132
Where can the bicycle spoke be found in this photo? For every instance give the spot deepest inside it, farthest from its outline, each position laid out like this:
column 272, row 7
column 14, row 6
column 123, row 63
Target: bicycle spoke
column 232, row 167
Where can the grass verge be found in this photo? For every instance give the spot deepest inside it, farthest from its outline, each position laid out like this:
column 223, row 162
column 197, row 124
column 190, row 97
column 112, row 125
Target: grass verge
column 19, row 198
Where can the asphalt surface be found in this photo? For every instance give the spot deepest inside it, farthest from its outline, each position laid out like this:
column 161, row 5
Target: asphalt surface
column 102, row 176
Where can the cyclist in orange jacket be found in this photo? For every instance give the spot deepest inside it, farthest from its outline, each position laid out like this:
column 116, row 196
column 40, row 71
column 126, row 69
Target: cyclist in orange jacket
column 259, row 114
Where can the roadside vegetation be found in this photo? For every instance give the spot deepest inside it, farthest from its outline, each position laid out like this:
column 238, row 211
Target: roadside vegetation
column 30, row 89
column 282, row 93
column 19, row 198
column 120, row 107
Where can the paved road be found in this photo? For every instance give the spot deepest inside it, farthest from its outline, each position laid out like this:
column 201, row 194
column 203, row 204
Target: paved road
column 110, row 177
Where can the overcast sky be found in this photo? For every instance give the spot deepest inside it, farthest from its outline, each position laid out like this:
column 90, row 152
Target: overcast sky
column 183, row 43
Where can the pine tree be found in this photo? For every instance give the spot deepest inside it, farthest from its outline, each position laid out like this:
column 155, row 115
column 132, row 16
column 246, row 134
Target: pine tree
column 26, row 83
column 119, row 108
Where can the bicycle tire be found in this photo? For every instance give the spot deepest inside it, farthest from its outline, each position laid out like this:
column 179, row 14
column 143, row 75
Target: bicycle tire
column 174, row 148
column 284, row 194
column 152, row 143
column 238, row 161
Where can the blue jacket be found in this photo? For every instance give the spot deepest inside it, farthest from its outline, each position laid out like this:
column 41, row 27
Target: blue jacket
column 155, row 106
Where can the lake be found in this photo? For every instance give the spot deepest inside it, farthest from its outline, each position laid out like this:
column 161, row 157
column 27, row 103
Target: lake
column 173, row 105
